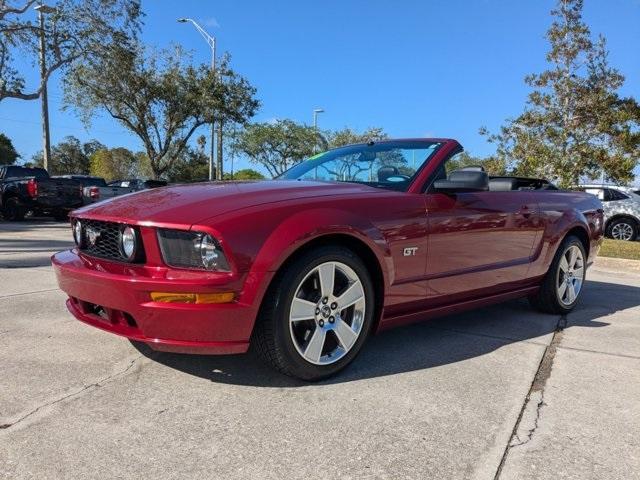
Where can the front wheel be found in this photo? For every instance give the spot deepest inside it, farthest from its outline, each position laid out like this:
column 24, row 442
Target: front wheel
column 561, row 287
column 318, row 315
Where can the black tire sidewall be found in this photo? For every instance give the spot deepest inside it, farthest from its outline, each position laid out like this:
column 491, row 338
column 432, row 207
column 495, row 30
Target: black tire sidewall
column 289, row 283
column 12, row 210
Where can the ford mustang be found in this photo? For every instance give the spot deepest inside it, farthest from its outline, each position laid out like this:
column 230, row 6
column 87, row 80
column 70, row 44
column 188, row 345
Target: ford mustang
column 305, row 267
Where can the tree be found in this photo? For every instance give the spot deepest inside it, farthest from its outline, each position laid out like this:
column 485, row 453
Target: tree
column 118, row 163
column 574, row 123
column 492, row 165
column 191, row 166
column 70, row 157
column 247, row 174
column 278, row 145
column 159, row 97
column 8, row 154
column 346, row 136
column 76, row 32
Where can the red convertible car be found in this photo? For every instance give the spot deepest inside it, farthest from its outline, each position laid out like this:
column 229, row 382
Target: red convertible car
column 305, row 267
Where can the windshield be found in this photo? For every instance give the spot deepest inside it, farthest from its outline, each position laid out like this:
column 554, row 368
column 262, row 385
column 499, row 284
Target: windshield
column 384, row 165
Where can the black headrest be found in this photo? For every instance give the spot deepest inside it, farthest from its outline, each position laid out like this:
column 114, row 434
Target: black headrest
column 386, row 172
column 480, row 180
column 502, row 184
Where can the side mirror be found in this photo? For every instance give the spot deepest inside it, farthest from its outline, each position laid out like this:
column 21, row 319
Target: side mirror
column 463, row 181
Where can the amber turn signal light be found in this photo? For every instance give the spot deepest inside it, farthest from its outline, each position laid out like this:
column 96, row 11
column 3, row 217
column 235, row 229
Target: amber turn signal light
column 198, row 298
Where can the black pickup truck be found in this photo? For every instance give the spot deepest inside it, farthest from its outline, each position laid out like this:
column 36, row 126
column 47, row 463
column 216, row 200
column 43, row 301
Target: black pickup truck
column 24, row 189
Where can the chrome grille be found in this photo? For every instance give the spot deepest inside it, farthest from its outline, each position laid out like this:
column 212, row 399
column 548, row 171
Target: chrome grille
column 102, row 239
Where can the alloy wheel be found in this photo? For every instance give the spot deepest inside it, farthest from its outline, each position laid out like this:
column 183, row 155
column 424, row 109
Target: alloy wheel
column 327, row 313
column 622, row 231
column 570, row 275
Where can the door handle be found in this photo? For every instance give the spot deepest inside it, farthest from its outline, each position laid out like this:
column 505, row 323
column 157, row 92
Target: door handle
column 525, row 211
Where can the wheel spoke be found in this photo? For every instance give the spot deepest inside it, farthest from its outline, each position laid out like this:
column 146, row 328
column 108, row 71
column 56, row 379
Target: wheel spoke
column 579, row 273
column 302, row 310
column 352, row 295
column 571, row 293
column 346, row 336
column 327, row 274
column 564, row 266
column 577, row 285
column 562, row 290
column 573, row 256
column 313, row 352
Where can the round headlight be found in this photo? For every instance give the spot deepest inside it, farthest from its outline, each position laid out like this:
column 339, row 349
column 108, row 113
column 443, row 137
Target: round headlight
column 77, row 233
column 128, row 243
column 208, row 251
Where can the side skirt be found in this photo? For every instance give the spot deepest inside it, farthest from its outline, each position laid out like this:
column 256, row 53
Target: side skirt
column 392, row 322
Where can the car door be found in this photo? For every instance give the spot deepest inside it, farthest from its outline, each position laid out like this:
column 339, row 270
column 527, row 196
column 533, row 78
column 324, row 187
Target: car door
column 612, row 200
column 479, row 243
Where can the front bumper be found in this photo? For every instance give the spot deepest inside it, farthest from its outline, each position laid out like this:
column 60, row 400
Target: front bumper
column 116, row 298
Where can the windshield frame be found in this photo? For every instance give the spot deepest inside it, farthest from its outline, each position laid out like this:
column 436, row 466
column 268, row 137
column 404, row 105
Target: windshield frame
column 408, row 144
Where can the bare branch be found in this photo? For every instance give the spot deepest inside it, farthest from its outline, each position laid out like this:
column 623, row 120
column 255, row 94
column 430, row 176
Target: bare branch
column 4, row 10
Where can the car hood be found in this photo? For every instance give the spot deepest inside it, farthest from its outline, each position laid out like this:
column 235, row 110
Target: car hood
column 189, row 204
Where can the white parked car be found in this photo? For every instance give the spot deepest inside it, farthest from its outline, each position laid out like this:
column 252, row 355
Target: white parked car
column 621, row 210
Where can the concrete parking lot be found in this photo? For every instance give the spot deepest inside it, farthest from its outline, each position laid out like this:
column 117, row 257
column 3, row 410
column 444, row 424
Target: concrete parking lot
column 501, row 392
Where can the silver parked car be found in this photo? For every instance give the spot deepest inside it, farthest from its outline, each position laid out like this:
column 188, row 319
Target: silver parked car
column 621, row 210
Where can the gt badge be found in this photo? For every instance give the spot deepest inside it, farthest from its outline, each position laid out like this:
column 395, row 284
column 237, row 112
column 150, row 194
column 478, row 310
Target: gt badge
column 410, row 251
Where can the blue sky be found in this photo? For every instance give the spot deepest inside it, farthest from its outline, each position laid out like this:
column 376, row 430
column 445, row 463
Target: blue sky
column 415, row 68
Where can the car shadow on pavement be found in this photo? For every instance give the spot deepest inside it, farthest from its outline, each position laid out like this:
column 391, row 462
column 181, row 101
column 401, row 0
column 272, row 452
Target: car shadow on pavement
column 437, row 342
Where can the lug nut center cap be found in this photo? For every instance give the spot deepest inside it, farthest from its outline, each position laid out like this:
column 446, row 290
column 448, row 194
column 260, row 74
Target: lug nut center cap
column 325, row 311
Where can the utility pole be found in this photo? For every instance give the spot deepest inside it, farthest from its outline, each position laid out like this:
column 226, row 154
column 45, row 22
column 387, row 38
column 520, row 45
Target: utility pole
column 211, row 41
column 316, row 111
column 46, row 137
column 219, row 160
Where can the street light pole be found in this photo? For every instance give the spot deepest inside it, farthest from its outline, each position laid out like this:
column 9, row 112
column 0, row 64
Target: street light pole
column 211, row 41
column 46, row 137
column 316, row 111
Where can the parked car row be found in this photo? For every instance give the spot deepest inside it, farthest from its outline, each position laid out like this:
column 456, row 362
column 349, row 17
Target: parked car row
column 27, row 189
column 95, row 189
column 621, row 210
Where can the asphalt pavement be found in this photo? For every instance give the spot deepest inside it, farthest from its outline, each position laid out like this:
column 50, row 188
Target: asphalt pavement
column 496, row 393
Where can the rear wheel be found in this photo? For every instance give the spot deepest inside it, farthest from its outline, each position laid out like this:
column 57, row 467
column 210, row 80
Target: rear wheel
column 561, row 287
column 13, row 211
column 623, row 229
column 318, row 315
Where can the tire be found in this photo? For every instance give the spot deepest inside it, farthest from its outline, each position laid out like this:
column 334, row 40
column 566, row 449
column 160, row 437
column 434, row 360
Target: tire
column 324, row 338
column 13, row 211
column 622, row 229
column 562, row 278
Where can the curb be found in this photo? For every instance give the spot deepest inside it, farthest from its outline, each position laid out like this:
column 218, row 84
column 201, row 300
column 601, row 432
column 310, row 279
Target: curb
column 617, row 265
